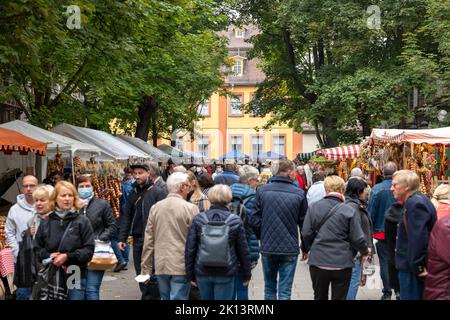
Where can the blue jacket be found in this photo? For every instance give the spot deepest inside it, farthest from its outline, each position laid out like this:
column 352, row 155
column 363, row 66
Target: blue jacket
column 280, row 208
column 227, row 177
column 127, row 187
column 240, row 192
column 239, row 255
column 381, row 199
column 412, row 238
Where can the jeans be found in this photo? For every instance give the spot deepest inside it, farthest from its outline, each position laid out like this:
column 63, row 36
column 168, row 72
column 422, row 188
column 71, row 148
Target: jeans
column 173, row 287
column 411, row 286
column 355, row 281
column 93, row 283
column 23, row 293
column 321, row 280
column 384, row 267
column 122, row 256
column 149, row 291
column 216, row 287
column 282, row 266
column 240, row 292
column 78, row 294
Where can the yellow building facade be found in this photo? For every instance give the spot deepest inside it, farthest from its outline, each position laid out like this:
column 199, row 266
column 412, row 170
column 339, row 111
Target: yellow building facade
column 225, row 126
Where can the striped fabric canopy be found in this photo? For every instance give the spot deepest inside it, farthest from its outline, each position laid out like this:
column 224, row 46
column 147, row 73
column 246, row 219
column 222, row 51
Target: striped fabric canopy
column 352, row 151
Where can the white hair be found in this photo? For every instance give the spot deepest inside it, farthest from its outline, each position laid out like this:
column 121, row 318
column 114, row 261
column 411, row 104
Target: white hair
column 180, row 168
column 175, row 181
column 356, row 172
column 247, row 172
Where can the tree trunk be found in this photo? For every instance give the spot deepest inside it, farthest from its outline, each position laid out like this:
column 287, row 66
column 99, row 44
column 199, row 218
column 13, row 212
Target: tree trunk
column 154, row 127
column 144, row 116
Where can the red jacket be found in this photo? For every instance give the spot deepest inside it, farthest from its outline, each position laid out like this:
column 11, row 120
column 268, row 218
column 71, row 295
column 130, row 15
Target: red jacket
column 437, row 283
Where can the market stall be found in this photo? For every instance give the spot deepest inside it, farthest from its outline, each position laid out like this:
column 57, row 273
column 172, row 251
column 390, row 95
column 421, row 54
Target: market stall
column 18, row 155
column 234, row 155
column 23, row 153
column 179, row 156
column 425, row 151
column 338, row 160
column 62, row 152
column 270, row 155
column 110, row 145
column 107, row 175
column 155, row 153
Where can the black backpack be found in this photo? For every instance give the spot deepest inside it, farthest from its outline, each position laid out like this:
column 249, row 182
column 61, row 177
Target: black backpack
column 25, row 272
column 214, row 249
column 239, row 209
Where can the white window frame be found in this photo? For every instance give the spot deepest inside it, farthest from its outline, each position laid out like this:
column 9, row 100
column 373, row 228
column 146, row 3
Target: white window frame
column 204, row 151
column 238, row 71
column 239, row 33
column 260, row 141
column 234, row 111
column 202, row 107
column 276, row 144
column 233, row 142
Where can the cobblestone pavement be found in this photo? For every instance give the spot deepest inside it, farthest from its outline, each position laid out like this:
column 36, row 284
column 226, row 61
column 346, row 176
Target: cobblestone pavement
column 122, row 286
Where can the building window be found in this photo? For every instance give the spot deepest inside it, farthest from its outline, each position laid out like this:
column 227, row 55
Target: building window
column 239, row 33
column 237, row 68
column 236, row 105
column 257, row 146
column 179, row 143
column 236, row 144
column 253, row 112
column 279, row 144
column 203, row 147
column 203, row 108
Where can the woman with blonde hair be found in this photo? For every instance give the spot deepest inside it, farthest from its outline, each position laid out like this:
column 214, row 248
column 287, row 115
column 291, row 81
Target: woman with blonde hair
column 41, row 196
column 66, row 237
column 441, row 200
column 196, row 196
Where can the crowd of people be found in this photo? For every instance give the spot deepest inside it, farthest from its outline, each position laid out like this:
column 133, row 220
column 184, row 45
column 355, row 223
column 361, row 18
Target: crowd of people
column 198, row 232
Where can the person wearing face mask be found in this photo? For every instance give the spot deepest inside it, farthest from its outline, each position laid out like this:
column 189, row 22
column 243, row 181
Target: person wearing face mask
column 356, row 194
column 76, row 248
column 100, row 214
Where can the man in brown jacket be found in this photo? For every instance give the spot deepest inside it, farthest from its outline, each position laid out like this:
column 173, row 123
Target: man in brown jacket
column 165, row 239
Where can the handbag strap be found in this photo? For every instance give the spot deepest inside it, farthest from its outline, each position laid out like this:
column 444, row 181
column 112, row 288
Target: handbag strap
column 64, row 235
column 327, row 216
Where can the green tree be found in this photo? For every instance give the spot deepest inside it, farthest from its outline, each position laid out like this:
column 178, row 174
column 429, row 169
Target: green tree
column 325, row 66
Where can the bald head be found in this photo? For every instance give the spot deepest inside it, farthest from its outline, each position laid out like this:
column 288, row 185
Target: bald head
column 29, row 184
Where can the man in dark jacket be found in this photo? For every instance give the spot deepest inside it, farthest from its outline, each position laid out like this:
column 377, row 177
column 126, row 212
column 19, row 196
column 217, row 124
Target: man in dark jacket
column 134, row 220
column 228, row 176
column 156, row 176
column 243, row 193
column 413, row 234
column 381, row 198
column 394, row 216
column 333, row 233
column 280, row 208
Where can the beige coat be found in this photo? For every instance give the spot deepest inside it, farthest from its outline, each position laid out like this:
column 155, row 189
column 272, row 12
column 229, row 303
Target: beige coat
column 166, row 234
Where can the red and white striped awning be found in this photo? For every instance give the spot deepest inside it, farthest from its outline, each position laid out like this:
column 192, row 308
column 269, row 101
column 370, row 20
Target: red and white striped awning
column 352, row 151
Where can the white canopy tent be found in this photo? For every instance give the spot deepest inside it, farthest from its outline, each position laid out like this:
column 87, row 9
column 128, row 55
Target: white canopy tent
column 430, row 136
column 155, row 153
column 55, row 141
column 107, row 143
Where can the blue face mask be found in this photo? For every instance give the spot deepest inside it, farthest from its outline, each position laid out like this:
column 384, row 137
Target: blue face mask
column 85, row 193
